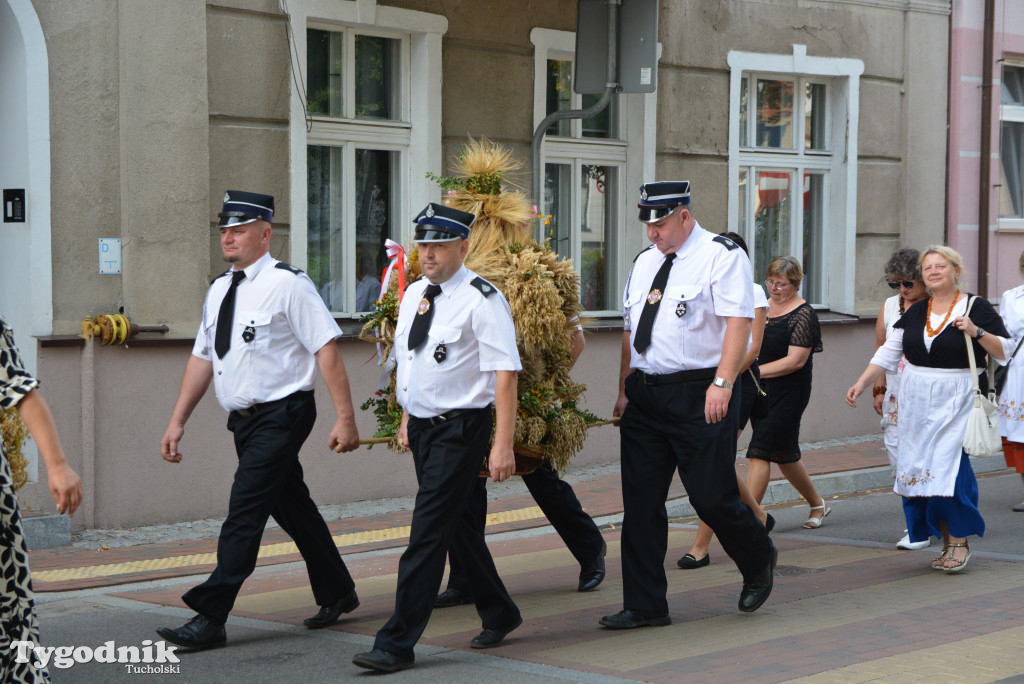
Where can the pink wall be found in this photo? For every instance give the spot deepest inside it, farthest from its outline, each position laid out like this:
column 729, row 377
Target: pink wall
column 966, row 55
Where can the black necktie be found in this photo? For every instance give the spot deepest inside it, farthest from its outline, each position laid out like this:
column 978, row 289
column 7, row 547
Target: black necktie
column 226, row 317
column 643, row 329
column 424, row 314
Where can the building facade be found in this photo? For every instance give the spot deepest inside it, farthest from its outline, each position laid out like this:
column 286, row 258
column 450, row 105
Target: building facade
column 812, row 128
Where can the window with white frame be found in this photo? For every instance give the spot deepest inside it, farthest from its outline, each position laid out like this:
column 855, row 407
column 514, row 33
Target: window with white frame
column 792, row 158
column 1011, row 146
column 364, row 155
column 354, row 89
column 587, row 164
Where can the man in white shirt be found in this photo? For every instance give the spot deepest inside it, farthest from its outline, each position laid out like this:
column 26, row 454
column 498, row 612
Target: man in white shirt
column 264, row 331
column 687, row 311
column 455, row 345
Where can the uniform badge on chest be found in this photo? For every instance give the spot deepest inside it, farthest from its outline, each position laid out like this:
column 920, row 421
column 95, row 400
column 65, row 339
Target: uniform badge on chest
column 440, row 353
column 654, row 297
column 424, row 306
column 249, row 334
column 680, row 309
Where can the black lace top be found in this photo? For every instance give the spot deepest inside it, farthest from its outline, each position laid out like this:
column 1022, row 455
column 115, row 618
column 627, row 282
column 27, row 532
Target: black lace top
column 798, row 328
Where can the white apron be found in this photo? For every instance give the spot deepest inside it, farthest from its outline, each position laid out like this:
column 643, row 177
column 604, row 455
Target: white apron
column 935, row 404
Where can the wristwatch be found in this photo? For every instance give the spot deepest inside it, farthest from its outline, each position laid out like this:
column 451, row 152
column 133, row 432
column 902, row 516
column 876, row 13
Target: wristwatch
column 719, row 381
column 981, row 333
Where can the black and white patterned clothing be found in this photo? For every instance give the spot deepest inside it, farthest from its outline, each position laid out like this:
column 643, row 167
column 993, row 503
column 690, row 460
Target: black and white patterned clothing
column 17, row 605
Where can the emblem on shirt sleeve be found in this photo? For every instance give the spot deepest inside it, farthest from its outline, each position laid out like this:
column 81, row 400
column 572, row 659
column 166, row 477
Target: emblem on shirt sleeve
column 249, row 334
column 654, row 297
column 424, row 306
column 440, row 353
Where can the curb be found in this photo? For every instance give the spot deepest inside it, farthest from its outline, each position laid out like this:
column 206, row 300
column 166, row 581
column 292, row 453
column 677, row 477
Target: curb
column 831, row 485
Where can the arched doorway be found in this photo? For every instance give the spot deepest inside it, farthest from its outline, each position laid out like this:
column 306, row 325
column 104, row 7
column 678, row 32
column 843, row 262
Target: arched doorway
column 25, row 257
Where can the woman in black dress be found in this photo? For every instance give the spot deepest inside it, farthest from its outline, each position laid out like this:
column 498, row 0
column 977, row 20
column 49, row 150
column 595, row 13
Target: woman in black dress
column 791, row 336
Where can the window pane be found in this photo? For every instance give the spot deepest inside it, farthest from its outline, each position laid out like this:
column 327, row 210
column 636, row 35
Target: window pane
column 600, row 125
column 324, row 219
column 557, row 199
column 375, row 199
column 744, row 122
column 324, row 68
column 1013, row 85
column 813, row 258
column 815, row 109
column 559, row 95
column 742, row 227
column 376, row 80
column 772, row 211
column 774, row 114
column 1011, row 169
column 596, row 261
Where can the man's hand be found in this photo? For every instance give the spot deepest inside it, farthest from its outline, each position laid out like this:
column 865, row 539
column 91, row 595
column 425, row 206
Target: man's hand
column 501, row 462
column 344, row 436
column 620, row 406
column 66, row 488
column 716, row 403
column 169, row 444
column 403, row 432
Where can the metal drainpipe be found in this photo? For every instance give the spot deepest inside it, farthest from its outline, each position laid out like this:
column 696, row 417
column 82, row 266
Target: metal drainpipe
column 985, row 183
column 610, row 87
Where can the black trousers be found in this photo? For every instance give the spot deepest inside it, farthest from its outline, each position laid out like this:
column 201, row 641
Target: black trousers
column 268, row 482
column 663, row 431
column 563, row 510
column 448, row 459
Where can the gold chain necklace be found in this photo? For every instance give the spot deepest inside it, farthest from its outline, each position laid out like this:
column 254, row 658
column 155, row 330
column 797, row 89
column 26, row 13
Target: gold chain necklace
column 932, row 332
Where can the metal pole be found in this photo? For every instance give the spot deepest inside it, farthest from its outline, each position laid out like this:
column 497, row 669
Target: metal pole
column 985, row 183
column 611, row 85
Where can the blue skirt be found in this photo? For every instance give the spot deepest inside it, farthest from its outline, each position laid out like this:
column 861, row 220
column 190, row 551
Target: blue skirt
column 959, row 512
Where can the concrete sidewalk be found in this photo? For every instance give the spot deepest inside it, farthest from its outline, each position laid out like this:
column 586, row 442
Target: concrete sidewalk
column 111, row 557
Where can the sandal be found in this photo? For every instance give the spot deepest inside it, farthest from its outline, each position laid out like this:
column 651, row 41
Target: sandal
column 814, row 523
column 939, row 562
column 960, row 564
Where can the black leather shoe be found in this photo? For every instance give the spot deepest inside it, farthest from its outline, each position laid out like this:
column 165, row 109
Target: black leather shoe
column 381, row 661
column 756, row 591
column 452, row 597
column 630, row 619
column 330, row 613
column 690, row 562
column 492, row 637
column 593, row 574
column 198, row 633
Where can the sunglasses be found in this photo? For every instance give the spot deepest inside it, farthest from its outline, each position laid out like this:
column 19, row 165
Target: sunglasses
column 909, row 284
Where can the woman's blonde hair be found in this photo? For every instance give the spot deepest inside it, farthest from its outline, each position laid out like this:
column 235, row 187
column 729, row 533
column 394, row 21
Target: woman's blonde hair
column 947, row 253
column 788, row 267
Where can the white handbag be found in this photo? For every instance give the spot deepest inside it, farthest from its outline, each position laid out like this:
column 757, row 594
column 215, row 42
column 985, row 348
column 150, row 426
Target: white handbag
column 983, row 436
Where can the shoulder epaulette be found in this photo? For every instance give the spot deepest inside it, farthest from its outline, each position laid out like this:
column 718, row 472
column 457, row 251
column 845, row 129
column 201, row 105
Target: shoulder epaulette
column 724, row 241
column 641, row 252
column 287, row 267
column 486, row 289
column 220, row 276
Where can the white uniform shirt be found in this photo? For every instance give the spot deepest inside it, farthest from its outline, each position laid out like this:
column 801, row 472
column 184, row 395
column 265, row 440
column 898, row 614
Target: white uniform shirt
column 707, row 282
column 1011, row 402
column 282, row 315
column 760, row 300
column 479, row 338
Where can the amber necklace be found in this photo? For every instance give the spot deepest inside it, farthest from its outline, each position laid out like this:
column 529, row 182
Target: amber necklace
column 932, row 332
